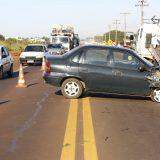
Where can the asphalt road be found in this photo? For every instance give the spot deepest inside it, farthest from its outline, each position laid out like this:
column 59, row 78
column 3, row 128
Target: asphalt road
column 38, row 123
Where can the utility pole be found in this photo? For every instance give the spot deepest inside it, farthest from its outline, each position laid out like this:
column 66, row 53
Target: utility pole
column 125, row 26
column 142, row 4
column 116, row 22
column 109, row 26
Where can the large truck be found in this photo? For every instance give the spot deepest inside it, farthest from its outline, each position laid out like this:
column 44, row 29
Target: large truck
column 64, row 34
column 148, row 40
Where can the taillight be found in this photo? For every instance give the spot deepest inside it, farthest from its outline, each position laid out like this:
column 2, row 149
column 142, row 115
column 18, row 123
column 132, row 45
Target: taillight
column 48, row 67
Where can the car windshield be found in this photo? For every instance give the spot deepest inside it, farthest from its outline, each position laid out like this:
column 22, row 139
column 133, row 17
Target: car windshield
column 60, row 40
column 34, row 49
column 52, row 46
column 146, row 61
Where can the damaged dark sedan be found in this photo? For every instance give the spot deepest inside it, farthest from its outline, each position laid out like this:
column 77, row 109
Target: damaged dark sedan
column 103, row 69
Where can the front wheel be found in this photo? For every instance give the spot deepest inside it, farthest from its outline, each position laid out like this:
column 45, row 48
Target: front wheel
column 72, row 88
column 10, row 72
column 155, row 95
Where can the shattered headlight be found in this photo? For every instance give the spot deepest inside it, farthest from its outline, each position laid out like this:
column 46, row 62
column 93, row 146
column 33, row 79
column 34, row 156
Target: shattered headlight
column 154, row 77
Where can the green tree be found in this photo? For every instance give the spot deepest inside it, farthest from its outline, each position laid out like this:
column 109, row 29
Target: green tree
column 120, row 36
column 2, row 38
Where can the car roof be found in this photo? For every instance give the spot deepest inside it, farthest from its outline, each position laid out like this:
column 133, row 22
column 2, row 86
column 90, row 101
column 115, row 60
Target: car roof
column 35, row 45
column 55, row 44
column 105, row 46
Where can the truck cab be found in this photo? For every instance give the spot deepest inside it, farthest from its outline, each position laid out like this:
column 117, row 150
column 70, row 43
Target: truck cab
column 64, row 40
column 148, row 36
column 65, row 35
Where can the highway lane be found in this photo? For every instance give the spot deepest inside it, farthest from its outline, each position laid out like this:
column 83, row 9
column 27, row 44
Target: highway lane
column 38, row 123
column 126, row 128
column 33, row 120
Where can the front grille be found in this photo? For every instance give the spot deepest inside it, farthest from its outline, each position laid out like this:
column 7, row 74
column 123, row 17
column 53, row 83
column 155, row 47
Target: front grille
column 30, row 58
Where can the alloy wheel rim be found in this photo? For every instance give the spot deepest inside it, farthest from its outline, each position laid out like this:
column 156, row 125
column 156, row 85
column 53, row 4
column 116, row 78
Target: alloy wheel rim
column 156, row 95
column 71, row 89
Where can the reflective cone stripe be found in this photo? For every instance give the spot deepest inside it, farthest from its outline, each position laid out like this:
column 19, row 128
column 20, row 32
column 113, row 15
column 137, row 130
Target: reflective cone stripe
column 21, row 80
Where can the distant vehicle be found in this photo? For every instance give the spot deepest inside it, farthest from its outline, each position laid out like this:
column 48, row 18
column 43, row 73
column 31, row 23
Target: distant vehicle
column 55, row 49
column 6, row 62
column 65, row 35
column 103, row 69
column 33, row 54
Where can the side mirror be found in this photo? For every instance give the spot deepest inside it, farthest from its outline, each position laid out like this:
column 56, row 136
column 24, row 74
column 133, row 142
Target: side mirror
column 131, row 37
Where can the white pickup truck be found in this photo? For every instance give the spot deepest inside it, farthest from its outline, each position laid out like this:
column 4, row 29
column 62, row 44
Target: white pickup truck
column 6, row 62
column 33, row 54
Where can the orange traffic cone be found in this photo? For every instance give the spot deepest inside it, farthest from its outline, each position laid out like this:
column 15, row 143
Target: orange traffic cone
column 21, row 80
column 43, row 65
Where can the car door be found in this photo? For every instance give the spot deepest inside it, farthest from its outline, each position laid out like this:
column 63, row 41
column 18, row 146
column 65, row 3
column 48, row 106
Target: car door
column 95, row 70
column 4, row 59
column 126, row 77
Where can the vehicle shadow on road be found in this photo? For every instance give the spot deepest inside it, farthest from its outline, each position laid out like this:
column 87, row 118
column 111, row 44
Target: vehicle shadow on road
column 4, row 101
column 15, row 75
column 103, row 95
column 58, row 93
column 32, row 84
column 115, row 96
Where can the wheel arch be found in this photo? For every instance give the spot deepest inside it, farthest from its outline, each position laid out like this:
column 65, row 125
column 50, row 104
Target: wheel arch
column 75, row 77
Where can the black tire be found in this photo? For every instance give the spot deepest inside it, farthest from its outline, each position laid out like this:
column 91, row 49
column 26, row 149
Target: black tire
column 10, row 72
column 73, row 92
column 1, row 73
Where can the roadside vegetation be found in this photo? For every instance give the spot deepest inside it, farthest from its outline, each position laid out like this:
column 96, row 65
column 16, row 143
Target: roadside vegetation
column 16, row 45
column 105, row 37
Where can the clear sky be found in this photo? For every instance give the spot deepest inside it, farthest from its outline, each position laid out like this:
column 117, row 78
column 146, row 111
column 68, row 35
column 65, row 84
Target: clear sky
column 36, row 17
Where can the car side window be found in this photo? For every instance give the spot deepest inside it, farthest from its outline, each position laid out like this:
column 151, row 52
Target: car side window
column 76, row 57
column 96, row 56
column 124, row 59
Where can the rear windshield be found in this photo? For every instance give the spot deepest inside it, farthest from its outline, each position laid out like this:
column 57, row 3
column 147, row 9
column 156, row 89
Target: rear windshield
column 34, row 49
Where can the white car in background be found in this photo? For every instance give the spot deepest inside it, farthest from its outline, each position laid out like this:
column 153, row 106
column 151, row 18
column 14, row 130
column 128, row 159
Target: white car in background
column 33, row 54
column 6, row 62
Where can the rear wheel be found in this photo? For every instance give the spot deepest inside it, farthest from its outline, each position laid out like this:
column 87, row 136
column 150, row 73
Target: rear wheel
column 1, row 73
column 10, row 72
column 155, row 95
column 72, row 88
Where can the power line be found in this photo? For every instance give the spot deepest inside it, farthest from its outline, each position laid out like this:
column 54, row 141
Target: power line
column 125, row 25
column 142, row 4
